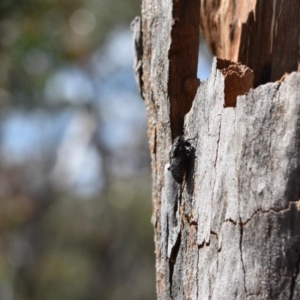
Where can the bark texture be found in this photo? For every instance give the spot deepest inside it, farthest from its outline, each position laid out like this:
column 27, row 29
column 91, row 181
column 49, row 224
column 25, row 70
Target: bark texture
column 232, row 230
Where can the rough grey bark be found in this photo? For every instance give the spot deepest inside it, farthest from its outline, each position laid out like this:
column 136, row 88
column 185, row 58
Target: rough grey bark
column 245, row 198
column 232, row 230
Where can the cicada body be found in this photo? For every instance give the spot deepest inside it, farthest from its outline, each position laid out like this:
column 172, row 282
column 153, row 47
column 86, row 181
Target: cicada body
column 179, row 157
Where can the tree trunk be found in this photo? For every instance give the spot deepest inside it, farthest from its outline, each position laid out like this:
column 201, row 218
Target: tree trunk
column 231, row 230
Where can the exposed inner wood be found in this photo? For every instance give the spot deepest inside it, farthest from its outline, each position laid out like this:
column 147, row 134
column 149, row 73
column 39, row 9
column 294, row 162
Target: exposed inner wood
column 238, row 80
column 264, row 35
column 183, row 56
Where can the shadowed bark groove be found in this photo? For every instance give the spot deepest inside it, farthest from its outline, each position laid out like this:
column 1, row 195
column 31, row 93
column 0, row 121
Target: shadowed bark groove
column 241, row 251
column 295, row 276
column 183, row 57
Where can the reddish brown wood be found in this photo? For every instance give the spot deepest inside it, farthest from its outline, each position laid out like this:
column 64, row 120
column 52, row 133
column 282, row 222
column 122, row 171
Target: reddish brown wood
column 261, row 34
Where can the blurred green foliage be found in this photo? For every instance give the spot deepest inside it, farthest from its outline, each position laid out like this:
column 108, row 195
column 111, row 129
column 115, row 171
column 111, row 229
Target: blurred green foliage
column 54, row 244
column 39, row 36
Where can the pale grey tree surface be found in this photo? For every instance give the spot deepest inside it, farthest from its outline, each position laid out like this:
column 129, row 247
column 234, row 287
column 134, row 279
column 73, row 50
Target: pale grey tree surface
column 245, row 197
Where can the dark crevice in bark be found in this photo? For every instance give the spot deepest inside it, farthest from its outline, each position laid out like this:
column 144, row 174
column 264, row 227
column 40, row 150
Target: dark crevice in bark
column 216, row 157
column 243, row 223
column 242, row 260
column 203, row 244
column 231, row 221
column 294, row 277
column 172, row 260
column 193, row 223
column 276, row 90
column 183, row 56
column 256, row 295
column 215, row 234
column 219, row 136
column 207, row 244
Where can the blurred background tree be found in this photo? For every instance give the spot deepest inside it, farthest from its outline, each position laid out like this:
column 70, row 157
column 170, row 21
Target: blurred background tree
column 75, row 201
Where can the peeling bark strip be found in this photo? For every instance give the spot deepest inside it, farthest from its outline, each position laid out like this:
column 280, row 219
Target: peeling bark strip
column 233, row 232
column 261, row 34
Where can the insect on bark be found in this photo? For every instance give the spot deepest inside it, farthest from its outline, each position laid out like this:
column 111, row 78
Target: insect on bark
column 179, row 156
